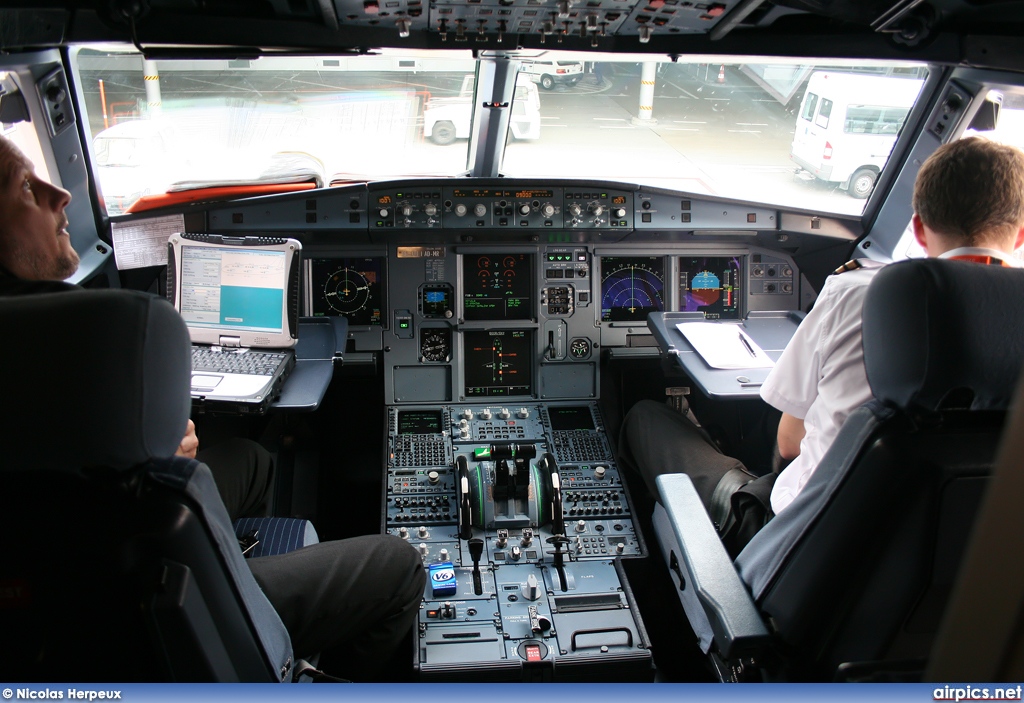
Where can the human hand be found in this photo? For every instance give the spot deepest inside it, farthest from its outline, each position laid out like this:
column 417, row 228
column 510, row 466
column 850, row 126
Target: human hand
column 190, row 443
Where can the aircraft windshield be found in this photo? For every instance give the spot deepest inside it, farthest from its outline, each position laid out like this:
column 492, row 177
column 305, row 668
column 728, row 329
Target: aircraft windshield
column 732, row 129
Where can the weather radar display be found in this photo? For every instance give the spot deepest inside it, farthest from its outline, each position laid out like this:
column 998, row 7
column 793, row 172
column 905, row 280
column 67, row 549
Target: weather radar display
column 711, row 285
column 631, row 287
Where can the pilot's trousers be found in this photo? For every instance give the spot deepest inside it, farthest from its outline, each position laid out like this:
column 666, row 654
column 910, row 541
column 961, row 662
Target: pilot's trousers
column 658, row 440
column 243, row 471
column 352, row 600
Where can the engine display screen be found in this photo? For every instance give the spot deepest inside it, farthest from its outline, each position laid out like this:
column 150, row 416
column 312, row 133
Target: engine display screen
column 419, row 421
column 631, row 287
column 497, row 286
column 712, row 285
column 498, row 362
column 573, row 417
column 353, row 287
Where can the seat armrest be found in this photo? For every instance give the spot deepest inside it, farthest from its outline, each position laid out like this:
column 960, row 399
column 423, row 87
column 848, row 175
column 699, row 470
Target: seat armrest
column 703, row 567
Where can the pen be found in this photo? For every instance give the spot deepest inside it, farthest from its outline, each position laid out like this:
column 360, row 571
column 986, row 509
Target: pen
column 746, row 343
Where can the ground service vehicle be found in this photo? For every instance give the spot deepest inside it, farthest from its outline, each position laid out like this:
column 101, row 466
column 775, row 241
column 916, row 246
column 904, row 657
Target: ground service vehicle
column 551, row 73
column 847, row 126
column 474, row 323
column 448, row 119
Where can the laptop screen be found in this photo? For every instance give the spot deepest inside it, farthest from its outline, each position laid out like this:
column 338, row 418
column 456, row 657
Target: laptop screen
column 236, row 290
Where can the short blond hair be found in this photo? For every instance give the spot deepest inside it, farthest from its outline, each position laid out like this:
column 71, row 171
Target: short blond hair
column 971, row 191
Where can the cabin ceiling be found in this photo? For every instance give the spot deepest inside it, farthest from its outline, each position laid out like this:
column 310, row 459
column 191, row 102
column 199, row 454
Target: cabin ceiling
column 953, row 31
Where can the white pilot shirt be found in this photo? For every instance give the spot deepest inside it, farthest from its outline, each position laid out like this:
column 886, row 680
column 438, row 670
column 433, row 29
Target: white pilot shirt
column 820, row 376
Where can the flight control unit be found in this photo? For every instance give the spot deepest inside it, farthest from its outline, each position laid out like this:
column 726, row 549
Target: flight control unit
column 520, row 516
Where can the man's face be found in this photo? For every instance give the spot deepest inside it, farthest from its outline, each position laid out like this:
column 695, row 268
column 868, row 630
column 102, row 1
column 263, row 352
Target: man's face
column 34, row 242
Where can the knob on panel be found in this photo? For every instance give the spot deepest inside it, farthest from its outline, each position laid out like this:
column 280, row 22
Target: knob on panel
column 479, row 209
column 460, row 210
column 547, row 210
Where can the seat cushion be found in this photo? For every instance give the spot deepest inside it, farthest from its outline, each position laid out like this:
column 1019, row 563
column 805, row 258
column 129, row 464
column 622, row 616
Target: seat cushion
column 276, row 535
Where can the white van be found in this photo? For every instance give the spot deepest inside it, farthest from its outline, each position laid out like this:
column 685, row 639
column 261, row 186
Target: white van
column 448, row 119
column 551, row 73
column 847, row 125
column 136, row 158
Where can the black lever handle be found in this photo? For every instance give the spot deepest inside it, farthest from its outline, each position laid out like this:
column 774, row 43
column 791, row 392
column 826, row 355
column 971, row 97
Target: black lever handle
column 476, row 550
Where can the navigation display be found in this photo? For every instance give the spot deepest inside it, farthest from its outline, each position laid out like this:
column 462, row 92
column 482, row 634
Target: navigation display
column 631, row 287
column 711, row 285
column 498, row 362
column 353, row 287
column 497, row 286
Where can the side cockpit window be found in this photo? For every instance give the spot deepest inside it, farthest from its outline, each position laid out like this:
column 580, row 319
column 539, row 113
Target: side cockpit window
column 21, row 132
column 1008, row 129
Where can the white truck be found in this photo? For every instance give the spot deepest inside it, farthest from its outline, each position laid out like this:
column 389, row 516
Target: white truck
column 448, row 119
column 847, row 126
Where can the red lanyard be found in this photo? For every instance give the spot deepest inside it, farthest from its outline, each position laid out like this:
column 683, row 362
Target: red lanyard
column 981, row 259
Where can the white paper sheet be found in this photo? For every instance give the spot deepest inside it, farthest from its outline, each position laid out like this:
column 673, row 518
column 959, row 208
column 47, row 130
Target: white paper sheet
column 143, row 242
column 725, row 345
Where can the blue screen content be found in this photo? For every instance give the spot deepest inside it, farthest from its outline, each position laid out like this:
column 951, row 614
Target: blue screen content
column 251, row 308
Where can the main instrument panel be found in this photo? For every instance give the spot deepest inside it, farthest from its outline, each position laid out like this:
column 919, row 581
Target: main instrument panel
column 472, row 289
column 473, row 319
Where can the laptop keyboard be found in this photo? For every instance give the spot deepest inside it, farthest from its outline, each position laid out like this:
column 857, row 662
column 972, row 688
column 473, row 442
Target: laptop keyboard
column 259, row 363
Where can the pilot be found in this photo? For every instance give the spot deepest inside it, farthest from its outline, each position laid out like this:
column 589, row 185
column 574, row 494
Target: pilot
column 353, row 600
column 968, row 204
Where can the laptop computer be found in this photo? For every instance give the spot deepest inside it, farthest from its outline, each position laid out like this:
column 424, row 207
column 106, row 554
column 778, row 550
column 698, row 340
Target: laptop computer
column 239, row 297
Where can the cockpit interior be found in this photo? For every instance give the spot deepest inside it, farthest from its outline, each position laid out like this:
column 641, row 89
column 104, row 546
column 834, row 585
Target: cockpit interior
column 483, row 226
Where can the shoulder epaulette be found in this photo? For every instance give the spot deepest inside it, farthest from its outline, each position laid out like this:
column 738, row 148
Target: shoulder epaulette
column 854, row 264
column 851, row 265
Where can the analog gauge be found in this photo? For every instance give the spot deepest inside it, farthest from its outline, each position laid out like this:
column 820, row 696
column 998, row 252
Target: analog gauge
column 436, row 344
column 347, row 291
column 579, row 348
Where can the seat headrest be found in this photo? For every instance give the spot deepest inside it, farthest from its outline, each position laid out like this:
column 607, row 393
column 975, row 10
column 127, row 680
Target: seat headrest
column 92, row 378
column 941, row 333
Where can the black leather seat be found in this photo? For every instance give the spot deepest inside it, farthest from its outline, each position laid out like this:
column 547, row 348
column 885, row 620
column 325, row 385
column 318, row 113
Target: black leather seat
column 118, row 563
column 851, row 580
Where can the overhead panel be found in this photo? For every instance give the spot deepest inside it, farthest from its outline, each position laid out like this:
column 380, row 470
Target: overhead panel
column 460, row 21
